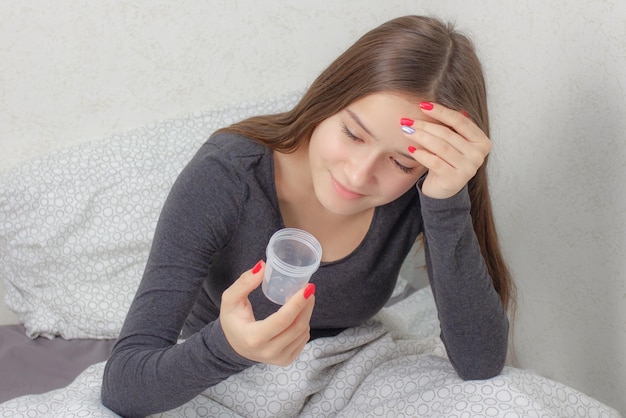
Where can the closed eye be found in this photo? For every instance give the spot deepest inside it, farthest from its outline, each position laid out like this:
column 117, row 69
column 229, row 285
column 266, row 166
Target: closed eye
column 405, row 169
column 353, row 137
column 349, row 134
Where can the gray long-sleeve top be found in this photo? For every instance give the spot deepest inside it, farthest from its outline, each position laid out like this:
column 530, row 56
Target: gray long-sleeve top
column 215, row 225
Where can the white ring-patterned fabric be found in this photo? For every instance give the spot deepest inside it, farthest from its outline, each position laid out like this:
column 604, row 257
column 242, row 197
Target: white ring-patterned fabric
column 394, row 366
column 76, row 225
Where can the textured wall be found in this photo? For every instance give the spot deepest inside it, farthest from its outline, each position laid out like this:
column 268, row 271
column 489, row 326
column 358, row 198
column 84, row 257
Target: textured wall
column 76, row 71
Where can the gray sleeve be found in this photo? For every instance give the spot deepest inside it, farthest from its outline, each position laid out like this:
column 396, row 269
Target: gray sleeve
column 474, row 325
column 148, row 371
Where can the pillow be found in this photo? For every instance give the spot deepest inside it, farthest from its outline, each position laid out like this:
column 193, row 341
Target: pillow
column 413, row 274
column 76, row 225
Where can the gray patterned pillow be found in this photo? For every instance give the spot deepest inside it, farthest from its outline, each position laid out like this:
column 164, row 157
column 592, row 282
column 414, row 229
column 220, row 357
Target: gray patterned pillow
column 76, row 225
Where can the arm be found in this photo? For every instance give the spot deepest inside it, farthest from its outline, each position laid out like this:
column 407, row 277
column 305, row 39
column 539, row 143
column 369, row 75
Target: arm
column 474, row 325
column 147, row 370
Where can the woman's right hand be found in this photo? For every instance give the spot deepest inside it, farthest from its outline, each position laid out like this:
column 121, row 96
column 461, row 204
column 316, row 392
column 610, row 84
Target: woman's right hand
column 277, row 339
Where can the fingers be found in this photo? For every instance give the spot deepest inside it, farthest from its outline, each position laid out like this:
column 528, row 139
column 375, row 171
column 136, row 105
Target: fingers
column 292, row 340
column 450, row 146
column 236, row 315
column 279, row 338
column 242, row 287
column 464, row 137
column 455, row 131
column 295, row 348
column 458, row 121
column 440, row 145
column 288, row 331
column 299, row 307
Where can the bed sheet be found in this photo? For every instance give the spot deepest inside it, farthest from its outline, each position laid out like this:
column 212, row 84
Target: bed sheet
column 394, row 365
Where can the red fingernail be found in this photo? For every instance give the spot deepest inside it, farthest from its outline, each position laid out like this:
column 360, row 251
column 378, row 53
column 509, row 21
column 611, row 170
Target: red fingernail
column 412, row 149
column 406, row 122
column 465, row 113
column 309, row 291
column 257, row 267
column 426, row 105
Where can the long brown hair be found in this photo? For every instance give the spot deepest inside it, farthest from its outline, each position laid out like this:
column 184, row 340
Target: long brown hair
column 416, row 56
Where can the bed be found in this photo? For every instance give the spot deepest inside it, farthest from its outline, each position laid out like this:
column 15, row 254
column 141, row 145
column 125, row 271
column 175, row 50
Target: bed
column 75, row 231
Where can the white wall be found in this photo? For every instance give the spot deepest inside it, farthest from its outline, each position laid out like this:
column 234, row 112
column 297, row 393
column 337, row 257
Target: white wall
column 77, row 71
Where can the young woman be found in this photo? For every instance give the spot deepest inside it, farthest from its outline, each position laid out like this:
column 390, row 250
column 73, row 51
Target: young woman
column 390, row 143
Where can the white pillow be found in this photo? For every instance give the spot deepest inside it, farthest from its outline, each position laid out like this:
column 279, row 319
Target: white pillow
column 76, row 225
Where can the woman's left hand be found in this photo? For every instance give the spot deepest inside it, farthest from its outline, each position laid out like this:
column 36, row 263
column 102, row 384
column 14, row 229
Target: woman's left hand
column 452, row 147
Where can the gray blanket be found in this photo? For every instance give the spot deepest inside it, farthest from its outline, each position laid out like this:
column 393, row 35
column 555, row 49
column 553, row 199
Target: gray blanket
column 392, row 366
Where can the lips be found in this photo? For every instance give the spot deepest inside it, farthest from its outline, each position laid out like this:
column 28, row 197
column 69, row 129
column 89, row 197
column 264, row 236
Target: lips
column 343, row 191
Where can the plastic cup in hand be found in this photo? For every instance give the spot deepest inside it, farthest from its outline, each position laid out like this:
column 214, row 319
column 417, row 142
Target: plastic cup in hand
column 293, row 255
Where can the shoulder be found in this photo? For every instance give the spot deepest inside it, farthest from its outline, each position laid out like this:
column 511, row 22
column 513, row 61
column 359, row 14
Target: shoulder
column 229, row 166
column 229, row 157
column 235, row 147
column 218, row 179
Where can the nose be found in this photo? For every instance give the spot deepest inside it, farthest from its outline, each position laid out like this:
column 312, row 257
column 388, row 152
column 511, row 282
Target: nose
column 361, row 170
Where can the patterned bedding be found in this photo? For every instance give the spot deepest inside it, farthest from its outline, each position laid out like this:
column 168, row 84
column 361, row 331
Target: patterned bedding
column 392, row 366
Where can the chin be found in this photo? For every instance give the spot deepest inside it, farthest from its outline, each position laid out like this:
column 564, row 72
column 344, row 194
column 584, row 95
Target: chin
column 338, row 206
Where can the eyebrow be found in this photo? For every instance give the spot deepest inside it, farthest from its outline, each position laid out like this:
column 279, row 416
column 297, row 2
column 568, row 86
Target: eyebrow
column 358, row 121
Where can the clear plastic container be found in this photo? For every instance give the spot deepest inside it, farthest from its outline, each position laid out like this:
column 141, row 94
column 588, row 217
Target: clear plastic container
column 293, row 255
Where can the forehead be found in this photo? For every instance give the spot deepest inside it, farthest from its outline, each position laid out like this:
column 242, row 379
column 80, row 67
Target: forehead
column 385, row 108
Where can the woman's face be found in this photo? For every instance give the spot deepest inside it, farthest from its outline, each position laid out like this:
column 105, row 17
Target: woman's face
column 359, row 158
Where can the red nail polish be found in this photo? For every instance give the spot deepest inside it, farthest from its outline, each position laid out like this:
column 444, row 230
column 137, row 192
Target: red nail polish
column 406, row 122
column 426, row 105
column 412, row 149
column 257, row 267
column 309, row 290
column 465, row 113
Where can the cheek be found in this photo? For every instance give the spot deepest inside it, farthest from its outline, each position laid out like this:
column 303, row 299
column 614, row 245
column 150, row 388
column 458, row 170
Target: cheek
column 327, row 145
